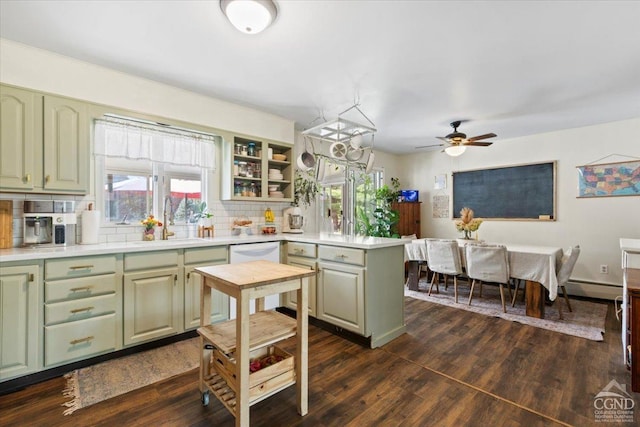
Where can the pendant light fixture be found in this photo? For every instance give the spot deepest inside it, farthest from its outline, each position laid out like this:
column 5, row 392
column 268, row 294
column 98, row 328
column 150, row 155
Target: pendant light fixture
column 249, row 16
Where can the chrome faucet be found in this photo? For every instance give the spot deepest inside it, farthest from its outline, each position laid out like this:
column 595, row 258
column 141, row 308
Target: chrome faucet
column 165, row 231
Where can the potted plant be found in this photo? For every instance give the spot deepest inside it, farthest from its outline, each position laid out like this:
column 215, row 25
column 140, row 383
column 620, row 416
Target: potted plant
column 201, row 214
column 150, row 223
column 305, row 188
column 379, row 220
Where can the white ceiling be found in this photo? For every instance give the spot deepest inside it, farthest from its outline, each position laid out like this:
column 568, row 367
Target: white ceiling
column 513, row 68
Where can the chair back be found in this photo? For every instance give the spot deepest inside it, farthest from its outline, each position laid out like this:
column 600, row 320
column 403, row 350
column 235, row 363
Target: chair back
column 443, row 256
column 568, row 262
column 487, row 263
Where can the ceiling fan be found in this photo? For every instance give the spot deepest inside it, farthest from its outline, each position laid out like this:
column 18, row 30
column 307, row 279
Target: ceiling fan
column 456, row 142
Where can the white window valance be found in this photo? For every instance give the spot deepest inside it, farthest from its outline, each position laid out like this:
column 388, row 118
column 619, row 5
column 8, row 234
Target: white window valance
column 141, row 141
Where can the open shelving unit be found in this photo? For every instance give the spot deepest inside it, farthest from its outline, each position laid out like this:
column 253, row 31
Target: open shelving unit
column 236, row 185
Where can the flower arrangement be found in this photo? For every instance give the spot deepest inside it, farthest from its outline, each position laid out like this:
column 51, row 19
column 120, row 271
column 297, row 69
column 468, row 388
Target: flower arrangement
column 467, row 223
column 150, row 223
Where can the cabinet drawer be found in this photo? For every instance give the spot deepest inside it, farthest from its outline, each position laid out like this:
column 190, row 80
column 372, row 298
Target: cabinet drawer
column 344, row 255
column 57, row 290
column 203, row 255
column 74, row 340
column 70, row 311
column 78, row 267
column 301, row 249
column 149, row 260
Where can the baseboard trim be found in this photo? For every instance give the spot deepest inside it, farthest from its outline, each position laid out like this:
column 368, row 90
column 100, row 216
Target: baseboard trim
column 593, row 290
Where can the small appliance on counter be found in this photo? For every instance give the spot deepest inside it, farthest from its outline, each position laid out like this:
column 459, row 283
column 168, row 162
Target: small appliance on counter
column 49, row 222
column 293, row 221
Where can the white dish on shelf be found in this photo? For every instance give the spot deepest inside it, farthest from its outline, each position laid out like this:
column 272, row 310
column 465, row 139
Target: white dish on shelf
column 273, row 187
column 274, row 171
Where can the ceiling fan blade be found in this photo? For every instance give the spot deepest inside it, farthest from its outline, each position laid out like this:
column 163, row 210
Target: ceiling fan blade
column 479, row 144
column 428, row 146
column 479, row 137
column 443, row 138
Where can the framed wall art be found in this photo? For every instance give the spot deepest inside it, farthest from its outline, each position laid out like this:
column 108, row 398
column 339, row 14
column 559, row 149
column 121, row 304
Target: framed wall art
column 609, row 179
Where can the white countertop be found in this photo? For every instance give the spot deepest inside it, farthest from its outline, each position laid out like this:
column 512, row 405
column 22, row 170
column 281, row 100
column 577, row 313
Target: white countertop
column 630, row 245
column 42, row 252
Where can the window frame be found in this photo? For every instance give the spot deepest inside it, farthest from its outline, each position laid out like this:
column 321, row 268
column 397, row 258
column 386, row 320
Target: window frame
column 158, row 174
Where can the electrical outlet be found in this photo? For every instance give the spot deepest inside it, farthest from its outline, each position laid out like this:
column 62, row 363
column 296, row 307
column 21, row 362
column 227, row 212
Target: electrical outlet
column 604, row 269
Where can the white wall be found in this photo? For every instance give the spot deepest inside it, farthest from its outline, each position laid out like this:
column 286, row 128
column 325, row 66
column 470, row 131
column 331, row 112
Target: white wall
column 595, row 224
column 45, row 71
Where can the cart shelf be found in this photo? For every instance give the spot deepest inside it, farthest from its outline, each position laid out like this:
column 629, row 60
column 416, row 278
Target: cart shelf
column 265, row 328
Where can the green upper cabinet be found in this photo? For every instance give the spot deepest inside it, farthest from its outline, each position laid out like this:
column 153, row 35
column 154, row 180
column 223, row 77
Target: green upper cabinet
column 20, row 139
column 66, row 145
column 44, row 143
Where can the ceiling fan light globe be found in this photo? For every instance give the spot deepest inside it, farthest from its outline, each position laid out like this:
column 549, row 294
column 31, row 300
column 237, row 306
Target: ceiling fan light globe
column 455, row 150
column 249, row 16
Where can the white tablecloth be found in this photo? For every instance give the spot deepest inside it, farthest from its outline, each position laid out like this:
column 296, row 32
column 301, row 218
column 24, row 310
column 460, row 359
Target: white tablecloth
column 528, row 262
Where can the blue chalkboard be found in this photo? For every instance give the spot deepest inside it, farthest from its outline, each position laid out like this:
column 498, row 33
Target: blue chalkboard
column 514, row 192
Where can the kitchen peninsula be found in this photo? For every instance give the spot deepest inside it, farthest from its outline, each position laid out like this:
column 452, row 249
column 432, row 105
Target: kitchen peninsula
column 92, row 300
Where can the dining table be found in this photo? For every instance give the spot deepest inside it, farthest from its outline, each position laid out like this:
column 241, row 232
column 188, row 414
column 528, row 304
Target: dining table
column 536, row 265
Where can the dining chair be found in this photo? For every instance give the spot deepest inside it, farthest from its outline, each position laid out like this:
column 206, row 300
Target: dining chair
column 569, row 259
column 489, row 264
column 443, row 258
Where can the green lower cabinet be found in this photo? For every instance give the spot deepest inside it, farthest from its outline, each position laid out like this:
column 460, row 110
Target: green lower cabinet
column 71, row 341
column 152, row 305
column 341, row 296
column 219, row 301
column 19, row 321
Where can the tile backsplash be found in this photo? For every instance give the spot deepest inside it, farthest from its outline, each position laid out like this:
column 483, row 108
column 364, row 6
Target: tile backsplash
column 224, row 212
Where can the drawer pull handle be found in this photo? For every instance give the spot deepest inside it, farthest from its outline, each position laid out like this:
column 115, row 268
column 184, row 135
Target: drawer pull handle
column 47, row 178
column 189, row 276
column 81, row 340
column 341, row 256
column 28, row 177
column 82, row 288
column 81, row 267
column 80, row 310
column 299, row 251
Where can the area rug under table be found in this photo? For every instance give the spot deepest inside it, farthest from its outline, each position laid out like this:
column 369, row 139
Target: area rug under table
column 587, row 319
column 99, row 382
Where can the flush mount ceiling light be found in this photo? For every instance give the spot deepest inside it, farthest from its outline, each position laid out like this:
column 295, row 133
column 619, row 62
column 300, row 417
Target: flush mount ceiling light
column 455, row 150
column 249, row 16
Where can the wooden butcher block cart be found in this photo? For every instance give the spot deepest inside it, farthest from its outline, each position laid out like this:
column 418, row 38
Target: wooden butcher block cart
column 229, row 347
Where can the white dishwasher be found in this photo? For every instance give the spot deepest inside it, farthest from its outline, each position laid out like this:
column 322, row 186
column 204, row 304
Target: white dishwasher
column 268, row 251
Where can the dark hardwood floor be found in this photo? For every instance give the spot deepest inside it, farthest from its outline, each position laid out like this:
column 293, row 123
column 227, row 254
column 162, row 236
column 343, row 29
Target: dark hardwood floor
column 452, row 368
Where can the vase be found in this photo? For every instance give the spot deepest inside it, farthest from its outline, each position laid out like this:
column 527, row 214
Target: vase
column 467, row 235
column 149, row 235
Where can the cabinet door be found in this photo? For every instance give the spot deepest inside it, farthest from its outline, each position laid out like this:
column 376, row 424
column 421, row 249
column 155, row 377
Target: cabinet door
column 152, row 305
column 290, row 299
column 341, row 296
column 66, row 145
column 408, row 218
column 219, row 301
column 19, row 321
column 20, row 139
